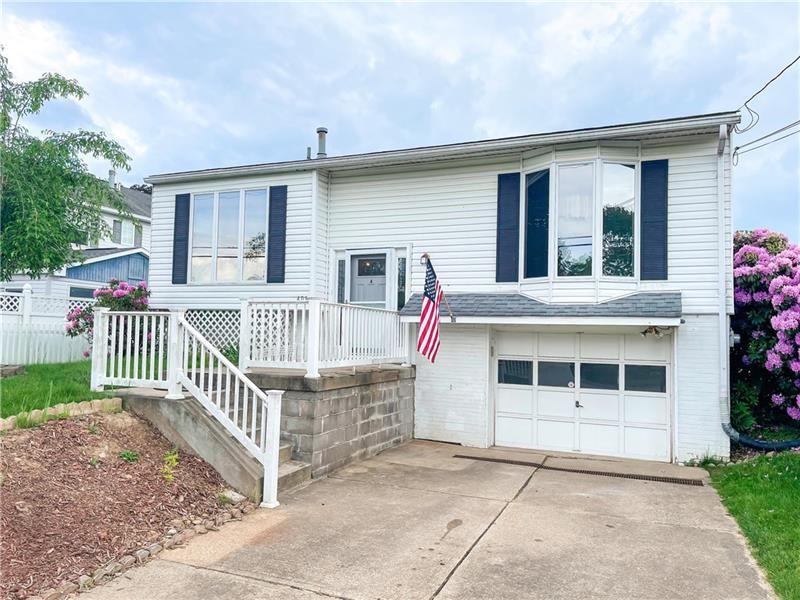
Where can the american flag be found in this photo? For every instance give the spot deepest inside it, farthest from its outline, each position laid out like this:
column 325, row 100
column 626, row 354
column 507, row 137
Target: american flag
column 428, row 342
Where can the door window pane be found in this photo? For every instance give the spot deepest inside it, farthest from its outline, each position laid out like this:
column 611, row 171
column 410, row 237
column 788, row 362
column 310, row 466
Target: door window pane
column 202, row 219
column 401, row 283
column 557, row 374
column 228, row 237
column 645, row 378
column 255, row 235
column 371, row 267
column 515, row 372
column 618, row 218
column 575, row 222
column 599, row 377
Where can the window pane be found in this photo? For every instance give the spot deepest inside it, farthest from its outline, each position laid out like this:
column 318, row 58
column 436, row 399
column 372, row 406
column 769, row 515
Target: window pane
column 599, row 377
column 202, row 219
column 515, row 372
column 557, row 374
column 575, row 222
column 228, row 237
column 645, row 378
column 127, row 233
column 401, row 283
column 375, row 267
column 619, row 183
column 340, row 280
column 255, row 234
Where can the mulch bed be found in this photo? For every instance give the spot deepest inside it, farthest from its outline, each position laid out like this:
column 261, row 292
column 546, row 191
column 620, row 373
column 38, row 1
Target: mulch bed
column 69, row 503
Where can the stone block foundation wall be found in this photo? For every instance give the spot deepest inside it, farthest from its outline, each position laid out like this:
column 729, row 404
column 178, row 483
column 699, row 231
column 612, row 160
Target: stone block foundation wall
column 342, row 417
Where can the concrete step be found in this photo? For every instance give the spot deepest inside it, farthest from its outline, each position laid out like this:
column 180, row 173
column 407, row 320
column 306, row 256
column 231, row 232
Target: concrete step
column 292, row 474
column 285, row 452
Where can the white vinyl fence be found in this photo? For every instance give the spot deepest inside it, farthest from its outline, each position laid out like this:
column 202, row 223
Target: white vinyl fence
column 32, row 328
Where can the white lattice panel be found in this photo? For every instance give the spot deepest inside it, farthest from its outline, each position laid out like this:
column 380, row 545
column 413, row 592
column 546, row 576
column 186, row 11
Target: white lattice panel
column 49, row 305
column 80, row 303
column 218, row 326
column 10, row 302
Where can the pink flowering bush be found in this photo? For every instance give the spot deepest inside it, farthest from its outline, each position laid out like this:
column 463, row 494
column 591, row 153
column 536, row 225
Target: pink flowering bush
column 765, row 366
column 118, row 295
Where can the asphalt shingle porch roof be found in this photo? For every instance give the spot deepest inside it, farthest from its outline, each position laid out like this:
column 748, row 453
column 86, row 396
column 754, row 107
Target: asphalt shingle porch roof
column 643, row 304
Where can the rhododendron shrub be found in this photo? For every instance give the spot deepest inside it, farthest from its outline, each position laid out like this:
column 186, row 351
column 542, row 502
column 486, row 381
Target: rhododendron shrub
column 766, row 364
column 117, row 295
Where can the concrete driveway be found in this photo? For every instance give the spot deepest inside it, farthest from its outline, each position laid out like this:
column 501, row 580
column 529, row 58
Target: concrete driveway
column 418, row 523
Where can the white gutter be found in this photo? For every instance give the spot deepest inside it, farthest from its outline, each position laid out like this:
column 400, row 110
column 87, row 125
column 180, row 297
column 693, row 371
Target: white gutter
column 462, row 150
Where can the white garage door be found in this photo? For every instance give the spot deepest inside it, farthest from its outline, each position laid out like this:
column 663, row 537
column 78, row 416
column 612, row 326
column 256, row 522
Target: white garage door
column 596, row 394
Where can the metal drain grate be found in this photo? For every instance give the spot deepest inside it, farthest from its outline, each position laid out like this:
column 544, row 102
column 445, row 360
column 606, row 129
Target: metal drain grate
column 525, row 463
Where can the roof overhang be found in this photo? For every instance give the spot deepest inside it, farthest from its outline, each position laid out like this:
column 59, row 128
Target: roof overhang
column 709, row 123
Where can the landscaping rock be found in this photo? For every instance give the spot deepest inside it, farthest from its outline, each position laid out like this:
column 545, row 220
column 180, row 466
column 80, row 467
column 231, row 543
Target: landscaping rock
column 172, row 531
column 141, row 555
column 51, row 594
column 154, row 549
column 97, row 405
column 36, row 416
column 68, row 587
column 236, row 514
column 200, row 529
column 85, row 582
column 234, row 496
column 85, row 407
column 169, row 543
column 127, row 561
column 113, row 568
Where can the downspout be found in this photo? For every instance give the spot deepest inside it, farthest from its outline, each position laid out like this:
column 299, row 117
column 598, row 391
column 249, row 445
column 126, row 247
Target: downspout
column 724, row 326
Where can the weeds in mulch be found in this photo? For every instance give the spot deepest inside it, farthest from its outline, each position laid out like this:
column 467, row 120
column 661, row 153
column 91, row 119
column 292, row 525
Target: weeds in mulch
column 224, row 499
column 170, row 462
column 70, row 503
column 129, row 456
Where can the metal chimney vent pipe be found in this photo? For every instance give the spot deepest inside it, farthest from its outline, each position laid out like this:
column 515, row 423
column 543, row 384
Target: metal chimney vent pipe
column 321, row 133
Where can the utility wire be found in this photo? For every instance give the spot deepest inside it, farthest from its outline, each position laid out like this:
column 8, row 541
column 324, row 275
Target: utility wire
column 738, row 150
column 754, row 116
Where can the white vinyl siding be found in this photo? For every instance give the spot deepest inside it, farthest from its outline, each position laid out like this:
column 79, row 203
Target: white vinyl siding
column 699, row 431
column 229, row 295
column 451, row 397
column 449, row 212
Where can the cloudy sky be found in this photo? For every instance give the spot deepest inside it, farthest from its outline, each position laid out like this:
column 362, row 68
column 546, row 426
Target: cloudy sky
column 186, row 86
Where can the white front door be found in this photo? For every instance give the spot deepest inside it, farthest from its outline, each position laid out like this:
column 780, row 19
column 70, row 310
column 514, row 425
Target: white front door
column 597, row 394
column 368, row 280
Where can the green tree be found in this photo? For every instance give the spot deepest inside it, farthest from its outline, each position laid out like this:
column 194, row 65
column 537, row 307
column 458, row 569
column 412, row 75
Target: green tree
column 50, row 200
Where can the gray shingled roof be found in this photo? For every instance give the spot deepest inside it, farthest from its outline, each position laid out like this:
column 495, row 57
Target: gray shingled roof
column 644, row 304
column 138, row 202
column 98, row 252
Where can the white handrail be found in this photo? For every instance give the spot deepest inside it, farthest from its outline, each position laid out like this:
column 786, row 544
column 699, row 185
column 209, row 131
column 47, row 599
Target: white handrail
column 250, row 415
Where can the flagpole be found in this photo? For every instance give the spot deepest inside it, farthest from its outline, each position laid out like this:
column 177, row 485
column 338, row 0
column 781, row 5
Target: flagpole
column 423, row 259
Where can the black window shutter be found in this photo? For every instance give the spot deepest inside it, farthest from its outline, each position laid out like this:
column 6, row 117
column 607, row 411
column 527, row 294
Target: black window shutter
column 537, row 223
column 653, row 251
column 507, row 258
column 180, row 239
column 276, row 249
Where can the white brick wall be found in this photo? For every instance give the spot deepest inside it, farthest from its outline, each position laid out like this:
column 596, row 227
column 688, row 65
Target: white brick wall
column 451, row 403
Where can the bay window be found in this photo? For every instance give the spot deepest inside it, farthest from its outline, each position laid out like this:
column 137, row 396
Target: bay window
column 574, row 210
column 228, row 236
column 619, row 195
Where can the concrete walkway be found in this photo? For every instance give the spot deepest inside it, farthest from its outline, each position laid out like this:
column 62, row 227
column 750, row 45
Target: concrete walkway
column 417, row 523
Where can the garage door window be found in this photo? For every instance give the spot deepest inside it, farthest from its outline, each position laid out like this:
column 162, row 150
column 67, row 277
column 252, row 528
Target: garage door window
column 645, row 378
column 515, row 372
column 557, row 374
column 598, row 376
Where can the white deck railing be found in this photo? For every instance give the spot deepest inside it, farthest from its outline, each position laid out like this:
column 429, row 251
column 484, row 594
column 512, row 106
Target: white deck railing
column 313, row 334
column 162, row 350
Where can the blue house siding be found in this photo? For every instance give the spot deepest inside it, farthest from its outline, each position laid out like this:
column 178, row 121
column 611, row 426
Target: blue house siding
column 132, row 268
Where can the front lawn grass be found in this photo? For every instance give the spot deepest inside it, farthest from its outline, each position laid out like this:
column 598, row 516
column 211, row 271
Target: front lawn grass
column 762, row 494
column 42, row 386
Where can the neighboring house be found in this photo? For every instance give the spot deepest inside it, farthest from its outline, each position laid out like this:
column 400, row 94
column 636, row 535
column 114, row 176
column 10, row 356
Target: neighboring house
column 589, row 273
column 123, row 255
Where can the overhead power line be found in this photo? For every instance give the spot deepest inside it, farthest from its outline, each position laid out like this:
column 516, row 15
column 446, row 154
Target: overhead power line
column 748, row 147
column 754, row 116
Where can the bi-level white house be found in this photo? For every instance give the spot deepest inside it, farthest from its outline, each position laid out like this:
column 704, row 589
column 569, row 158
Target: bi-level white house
column 588, row 272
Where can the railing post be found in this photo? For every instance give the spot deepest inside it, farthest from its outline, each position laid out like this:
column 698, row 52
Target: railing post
column 244, row 336
column 312, row 343
column 269, row 497
column 99, row 347
column 26, row 304
column 173, row 358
